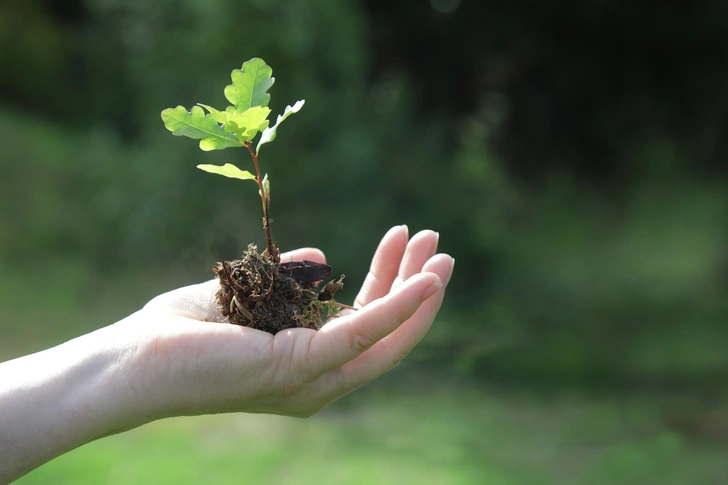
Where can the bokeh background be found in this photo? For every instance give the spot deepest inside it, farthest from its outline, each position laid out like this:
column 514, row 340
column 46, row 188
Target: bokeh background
column 572, row 157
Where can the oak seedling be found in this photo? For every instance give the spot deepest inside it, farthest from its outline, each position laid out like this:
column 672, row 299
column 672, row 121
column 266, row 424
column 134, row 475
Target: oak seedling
column 258, row 290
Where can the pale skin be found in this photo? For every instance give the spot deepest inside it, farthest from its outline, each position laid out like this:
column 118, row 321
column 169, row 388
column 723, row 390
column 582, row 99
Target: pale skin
column 168, row 359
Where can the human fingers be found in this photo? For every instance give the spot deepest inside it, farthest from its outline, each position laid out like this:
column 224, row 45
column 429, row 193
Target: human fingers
column 308, row 254
column 420, row 248
column 390, row 350
column 347, row 337
column 385, row 264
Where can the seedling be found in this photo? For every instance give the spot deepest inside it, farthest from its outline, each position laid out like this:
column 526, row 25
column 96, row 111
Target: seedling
column 258, row 290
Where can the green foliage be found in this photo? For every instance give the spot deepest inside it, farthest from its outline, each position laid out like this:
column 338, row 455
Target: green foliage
column 250, row 85
column 219, row 116
column 228, row 170
column 243, row 121
column 238, row 124
column 247, row 124
column 199, row 126
column 269, row 134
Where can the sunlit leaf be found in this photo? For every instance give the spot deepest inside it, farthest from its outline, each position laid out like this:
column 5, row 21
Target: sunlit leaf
column 247, row 124
column 219, row 116
column 250, row 85
column 199, row 126
column 228, row 170
column 269, row 134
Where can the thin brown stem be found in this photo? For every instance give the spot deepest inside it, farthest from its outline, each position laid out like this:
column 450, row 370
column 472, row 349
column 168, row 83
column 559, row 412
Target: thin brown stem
column 254, row 156
column 265, row 198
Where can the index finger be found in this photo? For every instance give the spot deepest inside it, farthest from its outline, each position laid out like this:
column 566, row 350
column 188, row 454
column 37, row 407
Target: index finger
column 384, row 267
column 345, row 338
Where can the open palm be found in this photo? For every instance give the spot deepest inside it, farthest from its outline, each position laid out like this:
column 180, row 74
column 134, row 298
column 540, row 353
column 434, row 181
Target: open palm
column 192, row 366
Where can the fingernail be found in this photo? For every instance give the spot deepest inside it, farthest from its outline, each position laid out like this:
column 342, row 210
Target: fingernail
column 431, row 290
column 449, row 274
column 437, row 241
column 406, row 229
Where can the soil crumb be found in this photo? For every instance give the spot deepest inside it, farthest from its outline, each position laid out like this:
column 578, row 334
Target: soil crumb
column 258, row 293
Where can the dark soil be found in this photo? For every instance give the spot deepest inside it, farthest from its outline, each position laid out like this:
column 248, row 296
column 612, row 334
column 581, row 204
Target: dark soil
column 259, row 293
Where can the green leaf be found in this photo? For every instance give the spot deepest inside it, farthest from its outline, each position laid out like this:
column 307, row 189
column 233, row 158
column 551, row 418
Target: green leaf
column 219, row 116
column 250, row 85
column 228, row 170
column 247, row 124
column 266, row 186
column 199, row 126
column 269, row 134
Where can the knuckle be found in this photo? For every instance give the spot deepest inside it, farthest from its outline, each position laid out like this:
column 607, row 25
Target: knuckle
column 397, row 360
column 360, row 343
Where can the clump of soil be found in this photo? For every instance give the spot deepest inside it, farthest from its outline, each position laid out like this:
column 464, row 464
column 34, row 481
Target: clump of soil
column 259, row 293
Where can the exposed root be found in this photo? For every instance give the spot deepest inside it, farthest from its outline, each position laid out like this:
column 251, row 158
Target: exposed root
column 254, row 293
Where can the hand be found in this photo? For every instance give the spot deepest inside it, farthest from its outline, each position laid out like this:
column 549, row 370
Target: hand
column 171, row 359
column 188, row 365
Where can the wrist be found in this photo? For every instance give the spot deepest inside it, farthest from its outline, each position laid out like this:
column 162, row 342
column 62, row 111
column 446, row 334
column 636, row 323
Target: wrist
column 105, row 396
column 56, row 400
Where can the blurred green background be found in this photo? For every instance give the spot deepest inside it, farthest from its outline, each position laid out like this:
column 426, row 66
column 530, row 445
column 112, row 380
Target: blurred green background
column 572, row 157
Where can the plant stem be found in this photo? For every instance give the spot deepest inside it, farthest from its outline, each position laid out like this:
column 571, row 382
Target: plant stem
column 265, row 198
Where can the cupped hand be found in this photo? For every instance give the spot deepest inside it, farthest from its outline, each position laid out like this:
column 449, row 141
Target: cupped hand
column 187, row 364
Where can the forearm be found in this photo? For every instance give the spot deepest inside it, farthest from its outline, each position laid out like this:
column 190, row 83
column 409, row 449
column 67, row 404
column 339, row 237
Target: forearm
column 56, row 400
